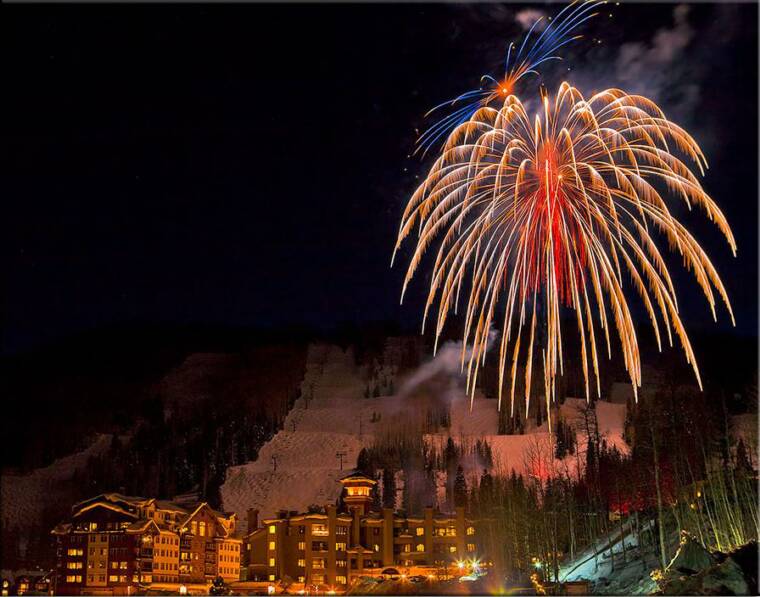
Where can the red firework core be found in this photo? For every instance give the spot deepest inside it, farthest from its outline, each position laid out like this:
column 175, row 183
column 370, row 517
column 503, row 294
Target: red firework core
column 553, row 229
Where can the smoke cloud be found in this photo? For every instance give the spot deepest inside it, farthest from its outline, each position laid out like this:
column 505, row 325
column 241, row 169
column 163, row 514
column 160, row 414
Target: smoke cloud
column 529, row 16
column 648, row 68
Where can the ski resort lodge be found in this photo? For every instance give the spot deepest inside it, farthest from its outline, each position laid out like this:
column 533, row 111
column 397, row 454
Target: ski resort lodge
column 333, row 547
column 120, row 545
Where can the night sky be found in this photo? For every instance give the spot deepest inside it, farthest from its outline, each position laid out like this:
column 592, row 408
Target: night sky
column 248, row 165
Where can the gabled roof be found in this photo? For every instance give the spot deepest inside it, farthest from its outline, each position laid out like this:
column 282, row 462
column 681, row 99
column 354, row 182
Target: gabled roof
column 140, row 526
column 200, row 507
column 357, row 475
column 114, row 507
column 114, row 498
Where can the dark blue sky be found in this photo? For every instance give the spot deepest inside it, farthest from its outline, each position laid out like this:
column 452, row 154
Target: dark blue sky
column 247, row 165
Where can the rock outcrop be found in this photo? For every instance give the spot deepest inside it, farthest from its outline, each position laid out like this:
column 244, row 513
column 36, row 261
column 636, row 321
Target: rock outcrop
column 696, row 571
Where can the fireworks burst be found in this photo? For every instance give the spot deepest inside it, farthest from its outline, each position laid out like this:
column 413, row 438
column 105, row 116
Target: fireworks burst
column 539, row 46
column 548, row 211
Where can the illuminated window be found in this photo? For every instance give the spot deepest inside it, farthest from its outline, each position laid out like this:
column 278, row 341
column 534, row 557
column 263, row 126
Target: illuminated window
column 272, row 529
column 318, row 563
column 420, row 531
column 75, row 552
column 470, row 530
column 271, row 562
column 340, row 579
column 340, row 563
column 301, row 563
column 302, row 545
column 407, row 547
column 194, row 528
column 340, row 546
column 420, row 547
column 203, row 529
column 301, row 579
column 93, row 526
column 376, row 547
column 113, row 578
column 470, row 547
column 272, row 545
column 71, row 578
column 319, row 529
column 453, row 548
column 271, row 577
column 123, row 565
column 341, row 530
column 361, row 491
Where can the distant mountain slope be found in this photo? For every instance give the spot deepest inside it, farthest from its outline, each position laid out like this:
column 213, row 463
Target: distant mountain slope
column 299, row 466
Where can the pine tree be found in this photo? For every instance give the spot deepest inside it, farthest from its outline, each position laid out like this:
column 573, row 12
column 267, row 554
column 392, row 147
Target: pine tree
column 363, row 463
column 450, row 455
column 743, row 465
column 389, row 488
column 377, row 504
column 486, row 489
column 460, row 488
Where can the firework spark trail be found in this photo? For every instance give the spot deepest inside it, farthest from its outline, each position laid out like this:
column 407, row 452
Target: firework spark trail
column 520, row 62
column 549, row 212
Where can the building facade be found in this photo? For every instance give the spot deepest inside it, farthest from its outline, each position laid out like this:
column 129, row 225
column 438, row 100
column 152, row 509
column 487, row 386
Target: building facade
column 334, row 547
column 117, row 545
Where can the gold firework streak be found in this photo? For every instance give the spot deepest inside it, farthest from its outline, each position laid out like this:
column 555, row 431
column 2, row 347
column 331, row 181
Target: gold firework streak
column 535, row 215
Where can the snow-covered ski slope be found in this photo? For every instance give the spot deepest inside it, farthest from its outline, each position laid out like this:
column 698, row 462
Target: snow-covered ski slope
column 300, row 465
column 25, row 497
column 530, row 454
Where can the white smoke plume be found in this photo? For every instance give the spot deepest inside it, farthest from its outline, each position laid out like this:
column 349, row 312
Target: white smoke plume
column 527, row 17
column 648, row 67
column 447, row 361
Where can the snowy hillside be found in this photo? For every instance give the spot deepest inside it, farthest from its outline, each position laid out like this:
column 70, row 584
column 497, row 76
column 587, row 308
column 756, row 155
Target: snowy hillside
column 25, row 497
column 300, row 465
column 611, row 568
column 530, row 454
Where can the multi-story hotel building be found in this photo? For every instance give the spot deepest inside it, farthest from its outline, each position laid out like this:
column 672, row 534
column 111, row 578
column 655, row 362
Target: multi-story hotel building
column 115, row 545
column 334, row 547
